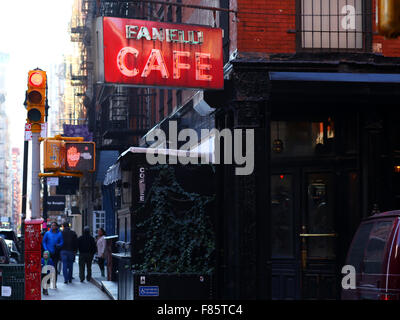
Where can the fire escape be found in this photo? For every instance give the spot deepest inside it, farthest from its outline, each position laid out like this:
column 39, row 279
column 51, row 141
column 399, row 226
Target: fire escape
column 81, row 79
column 125, row 111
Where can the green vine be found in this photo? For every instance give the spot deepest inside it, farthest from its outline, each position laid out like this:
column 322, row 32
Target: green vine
column 178, row 232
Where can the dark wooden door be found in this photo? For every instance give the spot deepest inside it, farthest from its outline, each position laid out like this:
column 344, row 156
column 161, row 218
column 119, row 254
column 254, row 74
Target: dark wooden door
column 304, row 234
column 318, row 235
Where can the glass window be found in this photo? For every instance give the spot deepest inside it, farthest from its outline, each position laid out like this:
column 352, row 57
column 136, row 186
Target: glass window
column 282, row 215
column 320, row 215
column 294, row 138
column 320, row 211
column 332, row 24
column 376, row 247
column 356, row 253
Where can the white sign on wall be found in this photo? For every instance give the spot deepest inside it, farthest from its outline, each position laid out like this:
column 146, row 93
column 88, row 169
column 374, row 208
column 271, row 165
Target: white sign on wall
column 52, row 181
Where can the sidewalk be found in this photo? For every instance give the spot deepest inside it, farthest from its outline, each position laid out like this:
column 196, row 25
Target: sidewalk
column 77, row 290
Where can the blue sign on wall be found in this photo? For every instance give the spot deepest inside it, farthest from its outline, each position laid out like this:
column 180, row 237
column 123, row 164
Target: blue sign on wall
column 149, row 291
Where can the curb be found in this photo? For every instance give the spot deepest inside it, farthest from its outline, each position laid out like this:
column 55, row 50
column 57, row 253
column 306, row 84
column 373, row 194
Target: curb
column 102, row 287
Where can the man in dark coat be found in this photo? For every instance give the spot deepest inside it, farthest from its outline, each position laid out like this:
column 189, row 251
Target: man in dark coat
column 87, row 249
column 68, row 251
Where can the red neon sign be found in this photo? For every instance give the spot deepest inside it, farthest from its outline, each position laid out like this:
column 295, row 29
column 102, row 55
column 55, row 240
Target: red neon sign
column 151, row 53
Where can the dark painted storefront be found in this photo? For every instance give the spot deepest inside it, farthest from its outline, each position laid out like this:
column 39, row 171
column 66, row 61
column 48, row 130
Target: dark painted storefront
column 327, row 143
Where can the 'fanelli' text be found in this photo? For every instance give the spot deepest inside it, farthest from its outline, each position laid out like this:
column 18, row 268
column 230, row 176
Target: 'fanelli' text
column 160, row 34
column 162, row 54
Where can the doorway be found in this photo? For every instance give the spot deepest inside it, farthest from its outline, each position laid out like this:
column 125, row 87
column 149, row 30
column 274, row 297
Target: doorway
column 304, row 233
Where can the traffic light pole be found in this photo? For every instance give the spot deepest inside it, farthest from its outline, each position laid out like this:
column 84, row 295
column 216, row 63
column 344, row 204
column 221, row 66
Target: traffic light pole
column 35, row 102
column 35, row 174
column 24, row 188
column 33, row 226
column 45, row 191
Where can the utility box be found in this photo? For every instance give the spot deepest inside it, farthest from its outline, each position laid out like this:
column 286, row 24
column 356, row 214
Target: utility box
column 12, row 282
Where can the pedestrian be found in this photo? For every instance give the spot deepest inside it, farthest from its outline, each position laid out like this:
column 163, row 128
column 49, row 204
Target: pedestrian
column 68, row 252
column 87, row 249
column 101, row 247
column 52, row 242
column 46, row 260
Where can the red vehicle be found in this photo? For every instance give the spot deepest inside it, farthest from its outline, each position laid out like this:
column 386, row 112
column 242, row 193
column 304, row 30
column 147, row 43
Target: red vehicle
column 375, row 255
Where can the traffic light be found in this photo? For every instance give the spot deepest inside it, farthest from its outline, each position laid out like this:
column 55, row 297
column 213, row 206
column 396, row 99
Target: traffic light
column 36, row 97
column 388, row 18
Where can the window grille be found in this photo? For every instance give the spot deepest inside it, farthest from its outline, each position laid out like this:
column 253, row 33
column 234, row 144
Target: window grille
column 334, row 24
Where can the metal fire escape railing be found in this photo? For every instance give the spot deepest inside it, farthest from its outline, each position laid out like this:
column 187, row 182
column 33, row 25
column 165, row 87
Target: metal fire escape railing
column 119, row 109
column 134, row 8
column 82, row 77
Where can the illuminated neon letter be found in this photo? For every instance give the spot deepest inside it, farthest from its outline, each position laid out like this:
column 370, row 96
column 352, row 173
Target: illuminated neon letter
column 158, row 34
column 160, row 66
column 202, row 66
column 143, row 32
column 178, row 65
column 131, row 31
column 121, row 61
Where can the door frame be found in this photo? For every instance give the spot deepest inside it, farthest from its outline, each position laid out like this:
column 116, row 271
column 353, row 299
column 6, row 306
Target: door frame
column 340, row 170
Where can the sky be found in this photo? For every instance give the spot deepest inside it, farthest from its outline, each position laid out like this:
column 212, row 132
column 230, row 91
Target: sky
column 34, row 34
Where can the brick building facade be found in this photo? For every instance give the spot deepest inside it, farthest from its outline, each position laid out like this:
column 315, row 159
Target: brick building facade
column 317, row 85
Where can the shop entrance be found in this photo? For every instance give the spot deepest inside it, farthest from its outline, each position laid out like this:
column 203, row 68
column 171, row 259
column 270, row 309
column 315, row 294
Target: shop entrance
column 311, row 195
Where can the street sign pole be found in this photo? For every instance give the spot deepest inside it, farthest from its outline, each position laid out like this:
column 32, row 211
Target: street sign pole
column 35, row 174
column 24, row 188
column 45, row 191
column 35, row 105
column 33, row 227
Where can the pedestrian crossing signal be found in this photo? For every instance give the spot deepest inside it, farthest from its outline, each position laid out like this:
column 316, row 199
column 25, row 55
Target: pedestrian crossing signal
column 80, row 156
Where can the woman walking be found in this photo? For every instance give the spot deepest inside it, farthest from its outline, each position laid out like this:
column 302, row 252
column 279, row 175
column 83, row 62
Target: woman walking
column 101, row 246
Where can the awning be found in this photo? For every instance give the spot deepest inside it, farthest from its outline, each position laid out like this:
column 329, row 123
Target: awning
column 335, row 77
column 107, row 159
column 113, row 174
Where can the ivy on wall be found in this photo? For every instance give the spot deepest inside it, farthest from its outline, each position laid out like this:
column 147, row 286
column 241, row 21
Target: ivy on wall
column 178, row 232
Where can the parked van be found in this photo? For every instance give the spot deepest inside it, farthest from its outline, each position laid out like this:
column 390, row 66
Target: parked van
column 375, row 255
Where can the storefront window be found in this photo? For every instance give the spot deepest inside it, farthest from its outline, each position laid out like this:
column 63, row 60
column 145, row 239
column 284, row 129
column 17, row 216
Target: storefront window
column 294, row 138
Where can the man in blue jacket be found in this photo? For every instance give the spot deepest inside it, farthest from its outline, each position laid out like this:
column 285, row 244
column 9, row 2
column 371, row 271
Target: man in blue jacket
column 52, row 242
